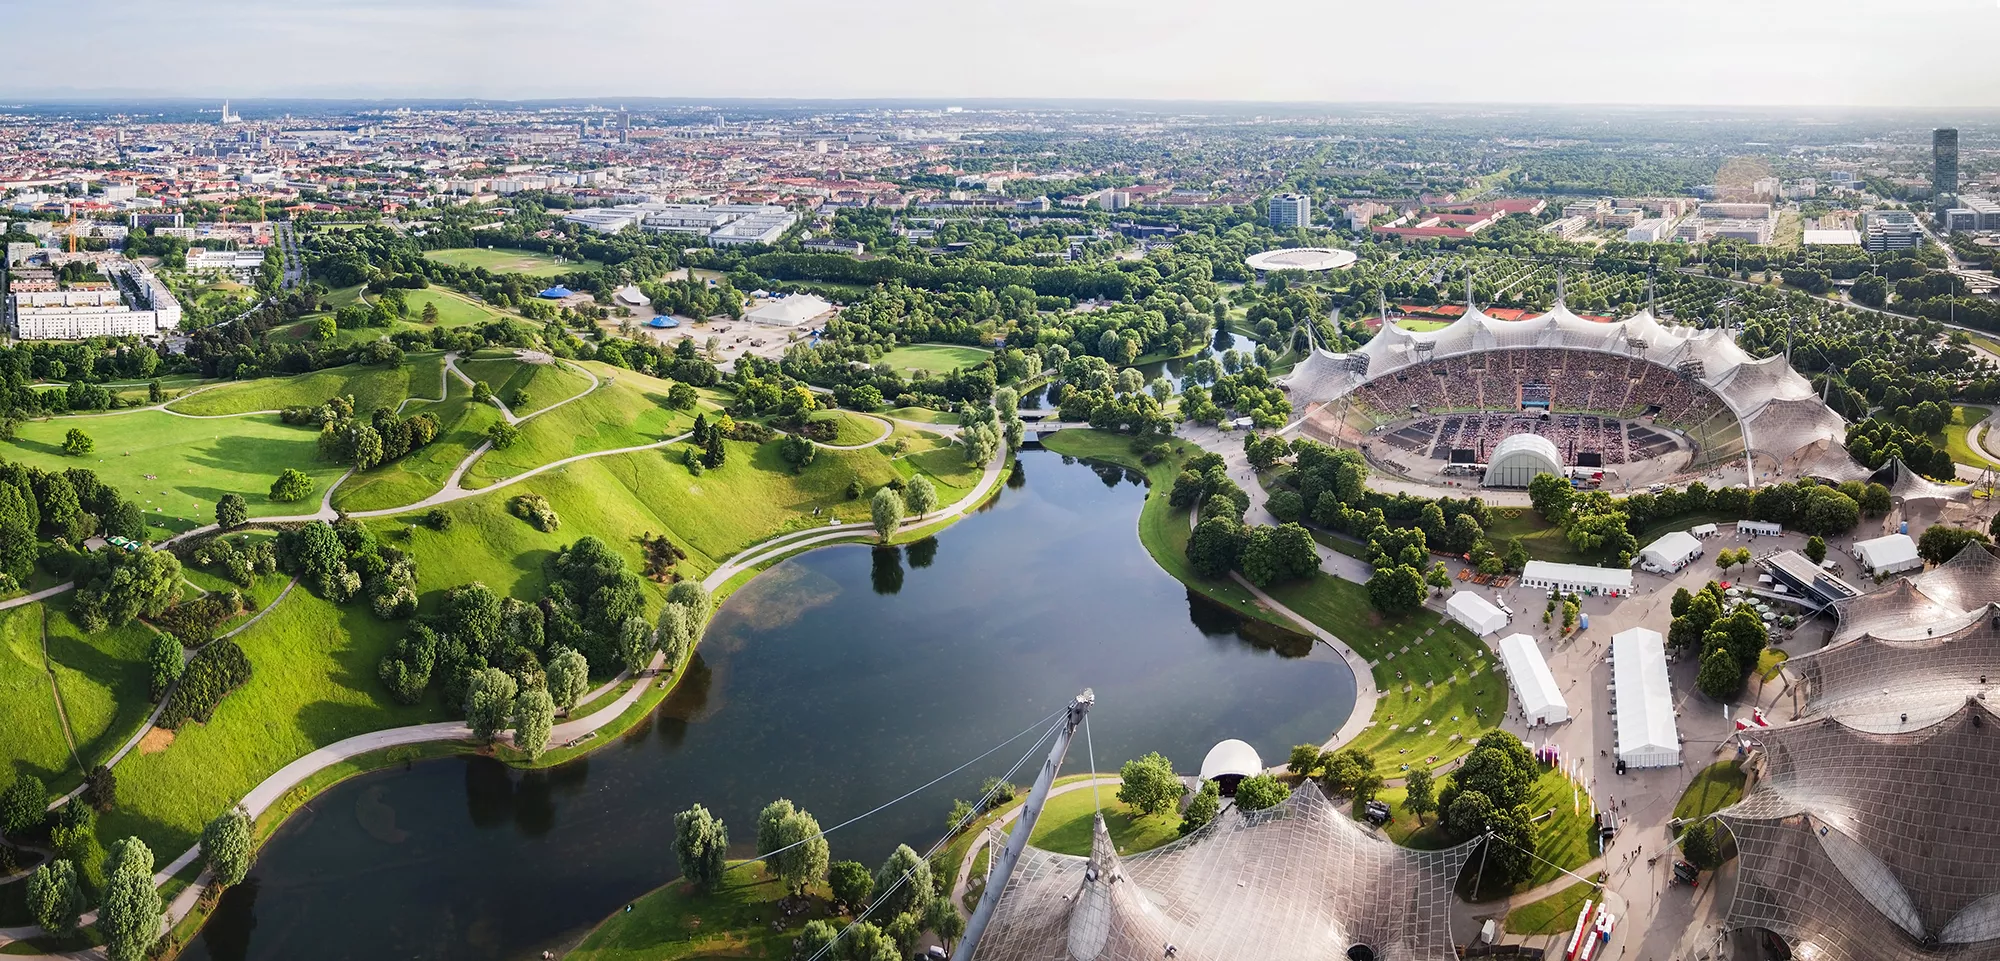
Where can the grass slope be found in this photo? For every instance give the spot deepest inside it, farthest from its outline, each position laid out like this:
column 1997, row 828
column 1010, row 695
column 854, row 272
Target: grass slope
column 936, row 358
column 1955, row 437
column 176, row 468
column 630, row 410
column 34, row 743
column 313, row 683
column 545, row 384
column 104, row 682
column 372, row 387
column 1065, row 826
column 417, row 475
column 1717, row 786
column 679, row 920
column 852, row 428
column 1555, row 914
column 531, row 263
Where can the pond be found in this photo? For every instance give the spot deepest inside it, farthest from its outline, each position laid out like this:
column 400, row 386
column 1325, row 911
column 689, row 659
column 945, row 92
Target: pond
column 840, row 679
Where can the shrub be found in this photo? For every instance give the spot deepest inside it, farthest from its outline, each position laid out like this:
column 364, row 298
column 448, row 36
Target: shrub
column 438, row 519
column 292, row 485
column 195, row 622
column 221, row 667
column 535, row 509
column 164, row 658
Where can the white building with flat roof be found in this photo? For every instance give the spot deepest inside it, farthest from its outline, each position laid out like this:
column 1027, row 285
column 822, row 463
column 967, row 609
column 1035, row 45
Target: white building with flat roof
column 1648, row 735
column 136, row 304
column 1477, row 613
column 1577, row 578
column 1534, row 685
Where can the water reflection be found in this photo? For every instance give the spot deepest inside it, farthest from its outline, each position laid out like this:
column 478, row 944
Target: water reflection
column 813, row 684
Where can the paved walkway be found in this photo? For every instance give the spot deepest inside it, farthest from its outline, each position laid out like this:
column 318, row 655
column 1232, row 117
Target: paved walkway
column 1365, row 694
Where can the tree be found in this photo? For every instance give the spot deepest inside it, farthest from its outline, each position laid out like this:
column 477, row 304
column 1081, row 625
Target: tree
column 129, row 916
column 903, row 883
column 789, row 841
column 76, row 443
column 1260, row 791
column 920, row 495
column 502, row 435
column 1941, row 542
column 850, row 883
column 481, row 392
column 1397, row 588
column 534, row 717
column 942, row 919
column 1720, row 677
column 1351, row 772
column 430, row 312
column 1699, row 847
column 1418, row 798
column 1439, row 578
column 55, row 898
column 100, row 788
column 1216, row 544
column 798, row 451
column 489, row 698
column 816, row 939
column 1816, row 549
column 1679, row 605
column 867, row 941
column 1306, row 760
column 291, row 486
column 567, row 675
column 1202, row 809
column 701, row 844
column 1510, row 853
column 1466, row 814
column 231, row 512
column 886, row 509
column 1551, row 496
column 24, row 805
column 225, row 846
column 165, row 660
column 1149, row 785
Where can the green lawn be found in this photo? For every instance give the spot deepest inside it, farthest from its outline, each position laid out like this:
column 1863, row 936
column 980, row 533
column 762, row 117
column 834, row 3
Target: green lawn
column 313, row 683
column 421, row 473
column 1543, row 540
column 1418, row 325
column 678, row 920
column 454, row 309
column 1555, row 914
column 1955, row 437
column 936, row 358
column 545, row 384
column 923, row 415
column 104, row 681
column 34, row 743
column 372, row 387
column 853, row 428
column 1718, row 786
column 176, row 468
column 629, row 410
column 503, row 261
column 1065, row 824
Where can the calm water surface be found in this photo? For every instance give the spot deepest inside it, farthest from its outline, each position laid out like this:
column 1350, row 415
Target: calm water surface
column 839, row 679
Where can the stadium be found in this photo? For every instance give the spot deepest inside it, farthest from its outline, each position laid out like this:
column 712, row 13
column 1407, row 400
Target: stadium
column 1492, row 403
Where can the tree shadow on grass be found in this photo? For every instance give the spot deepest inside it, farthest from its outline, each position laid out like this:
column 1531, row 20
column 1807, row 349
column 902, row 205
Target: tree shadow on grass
column 237, row 453
column 39, row 447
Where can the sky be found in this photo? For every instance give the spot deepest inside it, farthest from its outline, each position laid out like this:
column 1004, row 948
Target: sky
column 1866, row 53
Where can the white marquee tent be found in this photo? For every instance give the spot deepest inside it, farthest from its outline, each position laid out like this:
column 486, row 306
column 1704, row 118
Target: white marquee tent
column 1647, row 734
column 1477, row 613
column 1888, row 554
column 1671, row 552
column 1541, row 700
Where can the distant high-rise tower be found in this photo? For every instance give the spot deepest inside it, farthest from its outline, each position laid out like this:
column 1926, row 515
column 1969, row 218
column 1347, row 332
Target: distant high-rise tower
column 229, row 117
column 1291, row 211
column 1944, row 166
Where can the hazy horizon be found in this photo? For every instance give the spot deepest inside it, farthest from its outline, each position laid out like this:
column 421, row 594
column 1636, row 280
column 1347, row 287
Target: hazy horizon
column 1646, row 53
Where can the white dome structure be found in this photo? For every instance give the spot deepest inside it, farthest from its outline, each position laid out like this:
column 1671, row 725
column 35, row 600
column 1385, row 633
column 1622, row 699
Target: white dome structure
column 1520, row 458
column 1229, row 762
column 1310, row 259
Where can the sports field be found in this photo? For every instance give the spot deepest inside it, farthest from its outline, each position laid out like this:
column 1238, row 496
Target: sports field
column 506, row 261
column 936, row 358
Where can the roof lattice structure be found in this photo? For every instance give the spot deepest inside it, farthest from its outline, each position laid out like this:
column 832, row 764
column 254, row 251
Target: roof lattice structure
column 1871, row 846
column 1908, row 485
column 1780, row 412
column 1299, row 881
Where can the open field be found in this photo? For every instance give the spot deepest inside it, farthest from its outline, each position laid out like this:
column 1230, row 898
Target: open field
column 679, row 921
column 629, row 409
column 313, row 683
column 1715, row 787
column 1065, row 824
column 936, row 358
column 34, row 743
column 545, row 384
column 176, row 468
column 104, row 681
column 372, row 387
column 1955, row 438
column 1542, row 540
column 500, row 261
column 454, row 309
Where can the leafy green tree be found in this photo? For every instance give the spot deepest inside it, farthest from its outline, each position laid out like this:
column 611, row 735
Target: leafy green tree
column 886, row 509
column 291, row 486
column 76, row 443
column 1148, row 784
column 231, row 512
column 164, row 659
column 1510, row 853
column 903, row 883
column 1396, row 588
column 567, row 675
column 867, row 941
column 481, row 392
column 943, row 920
column 701, row 844
column 225, row 846
column 62, row 512
column 1552, row 497
column 920, row 495
column 1699, row 847
column 850, row 883
column 24, row 805
column 489, row 698
column 55, row 898
column 534, row 718
column 1941, row 542
column 129, row 917
column 1418, row 793
column 798, row 451
column 816, row 939
column 1466, row 814
column 1720, row 677
column 789, row 842
column 1206, row 803
column 1816, row 549
column 1216, row 545
column 1679, row 605
column 502, row 435
column 1306, row 760
column 1260, row 791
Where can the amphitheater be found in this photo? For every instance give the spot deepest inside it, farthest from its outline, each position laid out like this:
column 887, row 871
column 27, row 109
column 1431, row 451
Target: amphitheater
column 1642, row 401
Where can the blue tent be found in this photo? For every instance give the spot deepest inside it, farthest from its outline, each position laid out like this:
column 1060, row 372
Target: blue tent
column 557, row 292
column 663, row 322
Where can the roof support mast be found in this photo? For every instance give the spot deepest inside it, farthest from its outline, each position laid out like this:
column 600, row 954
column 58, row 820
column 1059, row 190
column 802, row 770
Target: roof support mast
column 1038, row 797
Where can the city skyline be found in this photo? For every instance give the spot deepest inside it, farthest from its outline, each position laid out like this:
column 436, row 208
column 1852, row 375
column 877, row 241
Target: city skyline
column 1782, row 52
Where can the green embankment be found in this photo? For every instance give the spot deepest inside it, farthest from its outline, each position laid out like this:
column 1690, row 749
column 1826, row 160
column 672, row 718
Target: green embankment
column 935, row 358
column 741, row 919
column 503, row 261
column 371, row 387
column 1065, row 826
column 1717, row 786
column 462, row 428
column 34, row 743
column 545, row 384
column 104, row 681
column 629, row 410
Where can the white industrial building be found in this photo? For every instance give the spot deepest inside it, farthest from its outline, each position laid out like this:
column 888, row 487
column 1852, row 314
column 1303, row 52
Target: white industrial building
column 233, row 261
column 1534, row 686
column 1577, row 578
column 1889, row 554
column 1477, row 613
column 790, row 311
column 1759, row 528
column 1519, row 459
column 1648, row 735
column 1673, row 551
column 723, row 224
column 136, row 304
